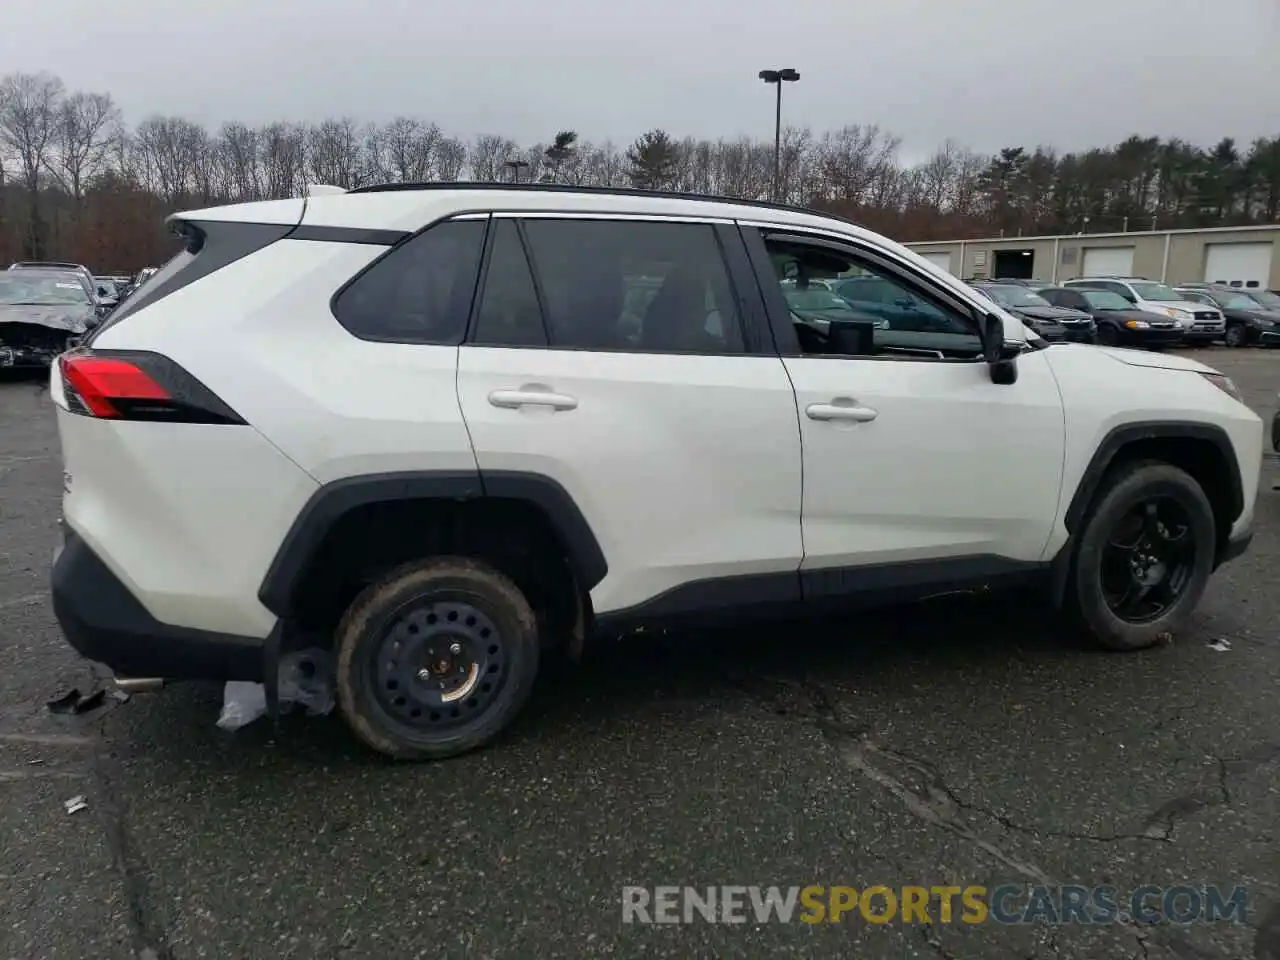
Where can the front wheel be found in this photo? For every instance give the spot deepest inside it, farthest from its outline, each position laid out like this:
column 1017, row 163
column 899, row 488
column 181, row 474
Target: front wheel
column 1237, row 335
column 1108, row 335
column 435, row 659
column 1145, row 555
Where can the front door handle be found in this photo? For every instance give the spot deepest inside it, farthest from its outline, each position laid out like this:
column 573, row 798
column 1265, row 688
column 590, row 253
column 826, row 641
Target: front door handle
column 515, row 399
column 840, row 409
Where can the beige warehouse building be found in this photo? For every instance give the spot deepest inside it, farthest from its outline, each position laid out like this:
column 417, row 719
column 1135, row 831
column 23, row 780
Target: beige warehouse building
column 1246, row 257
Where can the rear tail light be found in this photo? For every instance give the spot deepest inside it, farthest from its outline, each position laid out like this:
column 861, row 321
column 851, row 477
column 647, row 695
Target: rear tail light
column 135, row 385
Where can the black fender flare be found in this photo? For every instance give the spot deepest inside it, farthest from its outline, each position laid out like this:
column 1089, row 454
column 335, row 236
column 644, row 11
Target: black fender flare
column 1105, row 454
column 333, row 500
column 1127, row 433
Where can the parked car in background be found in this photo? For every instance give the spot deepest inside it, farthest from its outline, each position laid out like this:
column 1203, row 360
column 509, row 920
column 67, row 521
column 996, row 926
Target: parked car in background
column 1119, row 322
column 1051, row 322
column 1019, row 282
column 42, row 313
column 1247, row 320
column 1199, row 323
column 123, row 283
column 107, row 291
column 79, row 269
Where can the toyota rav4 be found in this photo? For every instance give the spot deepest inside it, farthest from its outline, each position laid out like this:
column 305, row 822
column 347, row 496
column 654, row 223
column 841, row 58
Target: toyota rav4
column 440, row 429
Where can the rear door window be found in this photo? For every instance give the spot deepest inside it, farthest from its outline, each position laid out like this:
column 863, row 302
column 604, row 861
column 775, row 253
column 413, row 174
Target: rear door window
column 635, row 286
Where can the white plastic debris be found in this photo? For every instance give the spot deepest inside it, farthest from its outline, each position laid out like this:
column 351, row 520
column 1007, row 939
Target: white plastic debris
column 1220, row 646
column 242, row 703
column 76, row 804
column 304, row 678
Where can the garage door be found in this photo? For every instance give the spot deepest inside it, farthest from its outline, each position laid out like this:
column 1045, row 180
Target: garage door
column 942, row 260
column 1239, row 264
column 1107, row 262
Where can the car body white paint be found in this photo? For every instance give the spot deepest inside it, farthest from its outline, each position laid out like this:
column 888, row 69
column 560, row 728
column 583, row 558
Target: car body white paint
column 688, row 467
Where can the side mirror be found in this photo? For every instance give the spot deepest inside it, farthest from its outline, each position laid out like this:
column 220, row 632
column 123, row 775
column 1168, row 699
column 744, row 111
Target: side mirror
column 1002, row 362
column 851, row 338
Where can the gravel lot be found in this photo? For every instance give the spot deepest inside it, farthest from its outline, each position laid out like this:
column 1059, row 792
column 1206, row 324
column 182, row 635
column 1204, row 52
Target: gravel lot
column 950, row 742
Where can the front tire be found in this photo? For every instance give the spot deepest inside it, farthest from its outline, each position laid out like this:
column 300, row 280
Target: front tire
column 1108, row 335
column 1237, row 335
column 435, row 659
column 1145, row 555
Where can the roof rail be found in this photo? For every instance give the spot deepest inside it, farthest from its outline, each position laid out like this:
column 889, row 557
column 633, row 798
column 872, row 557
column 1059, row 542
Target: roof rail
column 593, row 190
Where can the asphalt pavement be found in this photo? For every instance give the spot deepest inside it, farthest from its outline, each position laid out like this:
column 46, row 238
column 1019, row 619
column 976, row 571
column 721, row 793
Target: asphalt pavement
column 959, row 742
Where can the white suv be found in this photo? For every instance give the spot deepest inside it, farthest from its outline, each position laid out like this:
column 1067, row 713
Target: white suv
column 1199, row 323
column 441, row 428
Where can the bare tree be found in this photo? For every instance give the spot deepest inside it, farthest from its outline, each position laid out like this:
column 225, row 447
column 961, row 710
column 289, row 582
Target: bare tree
column 487, row 155
column 335, row 153
column 83, row 135
column 282, row 148
column 240, row 155
column 451, row 157
column 405, row 150
column 173, row 151
column 29, row 105
column 939, row 175
column 853, row 159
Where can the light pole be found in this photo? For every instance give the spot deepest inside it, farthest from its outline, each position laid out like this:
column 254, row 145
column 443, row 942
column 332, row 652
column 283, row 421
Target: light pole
column 785, row 75
column 516, row 166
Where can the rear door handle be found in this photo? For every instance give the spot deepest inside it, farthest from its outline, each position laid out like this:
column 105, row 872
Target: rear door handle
column 840, row 409
column 515, row 399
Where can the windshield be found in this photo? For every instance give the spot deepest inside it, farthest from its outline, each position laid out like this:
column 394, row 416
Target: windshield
column 815, row 298
column 1265, row 297
column 1010, row 296
column 41, row 291
column 1156, row 292
column 1105, row 300
column 107, row 284
column 1236, row 301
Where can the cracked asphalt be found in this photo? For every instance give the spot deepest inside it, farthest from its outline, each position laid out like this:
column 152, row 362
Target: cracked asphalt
column 952, row 742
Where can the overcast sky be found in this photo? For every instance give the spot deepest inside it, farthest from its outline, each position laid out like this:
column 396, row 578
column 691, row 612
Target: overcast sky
column 1071, row 73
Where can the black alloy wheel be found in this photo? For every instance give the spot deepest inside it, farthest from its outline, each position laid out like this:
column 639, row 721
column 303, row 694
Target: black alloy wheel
column 1149, row 560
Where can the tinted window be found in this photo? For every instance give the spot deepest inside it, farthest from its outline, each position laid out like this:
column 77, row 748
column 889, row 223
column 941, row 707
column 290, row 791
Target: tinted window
column 421, row 291
column 889, row 314
column 634, row 286
column 509, row 314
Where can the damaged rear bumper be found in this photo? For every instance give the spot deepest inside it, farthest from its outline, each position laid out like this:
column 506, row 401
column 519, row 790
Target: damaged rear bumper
column 105, row 622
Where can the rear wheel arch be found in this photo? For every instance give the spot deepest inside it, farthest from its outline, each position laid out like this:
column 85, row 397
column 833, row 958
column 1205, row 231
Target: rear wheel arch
column 1202, row 450
column 382, row 519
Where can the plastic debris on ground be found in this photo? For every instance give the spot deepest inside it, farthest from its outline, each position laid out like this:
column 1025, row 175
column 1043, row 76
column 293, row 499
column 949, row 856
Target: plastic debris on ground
column 1220, row 646
column 76, row 702
column 76, row 804
column 304, row 678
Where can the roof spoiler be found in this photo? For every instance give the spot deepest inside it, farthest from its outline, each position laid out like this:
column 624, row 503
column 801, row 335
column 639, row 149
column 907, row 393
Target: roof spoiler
column 323, row 190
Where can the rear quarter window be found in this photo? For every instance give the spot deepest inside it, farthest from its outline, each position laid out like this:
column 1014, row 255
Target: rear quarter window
column 420, row 291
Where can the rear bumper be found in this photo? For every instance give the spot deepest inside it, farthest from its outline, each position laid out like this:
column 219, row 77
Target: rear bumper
column 104, row 622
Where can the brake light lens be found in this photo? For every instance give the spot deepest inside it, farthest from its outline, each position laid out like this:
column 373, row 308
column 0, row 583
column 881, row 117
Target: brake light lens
column 99, row 383
column 137, row 385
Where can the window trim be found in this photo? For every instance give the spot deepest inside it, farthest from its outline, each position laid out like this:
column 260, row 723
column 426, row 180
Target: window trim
column 405, row 241
column 752, row 319
column 788, row 344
